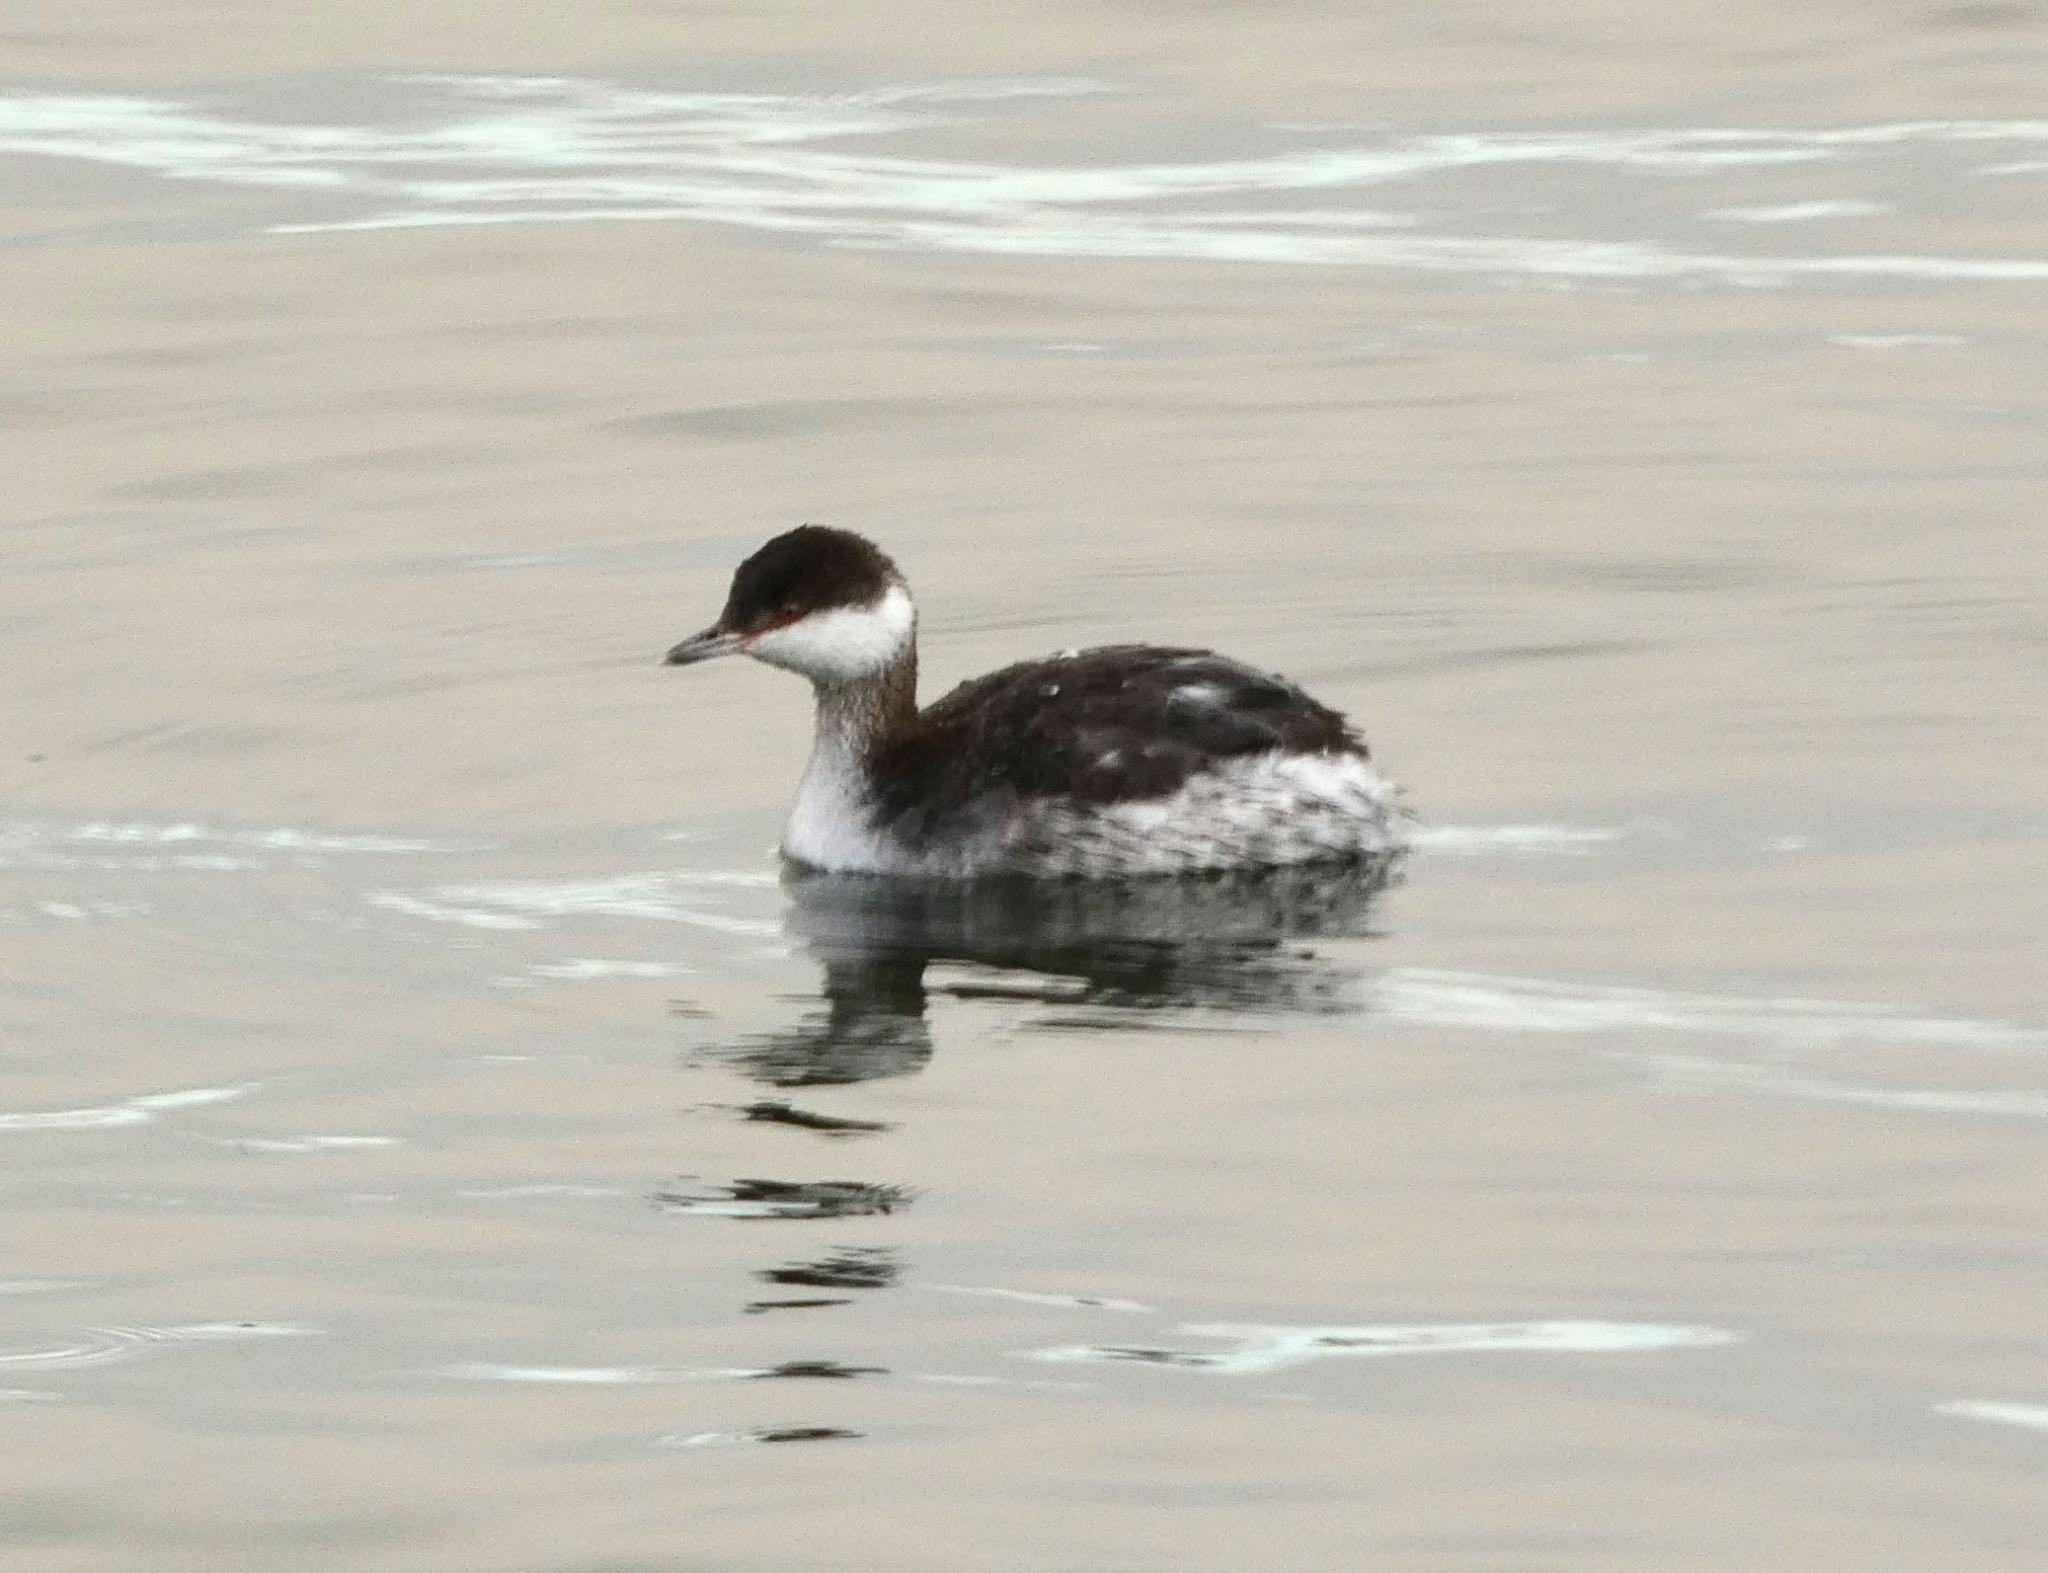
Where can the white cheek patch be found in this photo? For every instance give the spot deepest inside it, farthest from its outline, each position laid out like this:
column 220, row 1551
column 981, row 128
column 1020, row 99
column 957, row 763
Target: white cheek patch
column 844, row 644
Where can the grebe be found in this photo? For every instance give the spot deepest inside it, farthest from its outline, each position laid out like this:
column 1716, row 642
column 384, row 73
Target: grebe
column 1107, row 763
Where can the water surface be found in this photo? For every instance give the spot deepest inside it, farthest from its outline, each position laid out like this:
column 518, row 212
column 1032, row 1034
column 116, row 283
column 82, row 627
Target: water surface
column 437, row 1134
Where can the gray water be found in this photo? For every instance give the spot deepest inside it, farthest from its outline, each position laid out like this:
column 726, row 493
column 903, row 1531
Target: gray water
column 437, row 1135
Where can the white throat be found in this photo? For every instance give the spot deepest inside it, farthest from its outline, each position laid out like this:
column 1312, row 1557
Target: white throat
column 845, row 644
column 830, row 825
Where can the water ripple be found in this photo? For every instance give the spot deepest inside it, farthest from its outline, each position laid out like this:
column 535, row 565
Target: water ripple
column 2032, row 1417
column 786, row 1199
column 533, row 904
column 765, row 1434
column 141, row 846
column 1439, row 997
column 97, row 1346
column 1264, row 1348
column 650, row 1376
column 304, row 1144
column 140, row 1110
column 476, row 150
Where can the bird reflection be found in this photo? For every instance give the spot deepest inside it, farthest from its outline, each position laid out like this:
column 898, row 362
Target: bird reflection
column 1099, row 952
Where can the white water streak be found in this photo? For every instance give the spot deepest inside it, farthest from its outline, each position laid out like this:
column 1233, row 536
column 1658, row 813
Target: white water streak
column 96, row 1346
column 594, row 1376
column 1527, row 840
column 140, row 846
column 1781, row 1082
column 2033, row 1417
column 186, row 832
column 140, row 1110
column 491, row 150
column 1266, row 1348
column 1438, row 997
column 304, row 1144
column 588, row 969
column 1799, row 212
column 1068, row 1302
column 532, row 904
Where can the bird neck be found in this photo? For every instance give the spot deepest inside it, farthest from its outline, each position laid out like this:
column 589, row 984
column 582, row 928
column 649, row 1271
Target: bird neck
column 858, row 717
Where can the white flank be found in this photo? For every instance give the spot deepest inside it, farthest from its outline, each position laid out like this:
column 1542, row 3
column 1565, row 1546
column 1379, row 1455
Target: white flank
column 1268, row 811
column 841, row 645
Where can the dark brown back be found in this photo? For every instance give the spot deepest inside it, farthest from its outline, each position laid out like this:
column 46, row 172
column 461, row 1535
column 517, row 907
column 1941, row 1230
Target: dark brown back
column 1114, row 724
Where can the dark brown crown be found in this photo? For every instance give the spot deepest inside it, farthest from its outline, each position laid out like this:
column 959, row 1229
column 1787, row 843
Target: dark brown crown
column 805, row 570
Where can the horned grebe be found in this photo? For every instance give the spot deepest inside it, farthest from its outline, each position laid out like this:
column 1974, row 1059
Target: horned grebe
column 1119, row 761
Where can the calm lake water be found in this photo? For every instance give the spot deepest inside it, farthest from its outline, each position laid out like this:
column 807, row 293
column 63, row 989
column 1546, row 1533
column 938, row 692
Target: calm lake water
column 437, row 1136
